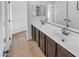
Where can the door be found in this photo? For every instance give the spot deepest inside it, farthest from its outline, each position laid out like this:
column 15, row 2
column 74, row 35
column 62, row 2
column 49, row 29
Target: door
column 8, row 32
column 10, row 22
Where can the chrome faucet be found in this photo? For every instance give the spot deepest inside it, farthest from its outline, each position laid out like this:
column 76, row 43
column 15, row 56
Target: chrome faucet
column 43, row 22
column 64, row 31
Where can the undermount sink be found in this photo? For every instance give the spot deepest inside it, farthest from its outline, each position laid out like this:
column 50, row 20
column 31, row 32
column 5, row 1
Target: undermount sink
column 58, row 34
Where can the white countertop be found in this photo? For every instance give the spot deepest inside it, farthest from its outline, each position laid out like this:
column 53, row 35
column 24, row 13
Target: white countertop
column 71, row 42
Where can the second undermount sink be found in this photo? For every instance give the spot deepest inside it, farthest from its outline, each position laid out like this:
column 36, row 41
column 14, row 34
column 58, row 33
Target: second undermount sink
column 58, row 34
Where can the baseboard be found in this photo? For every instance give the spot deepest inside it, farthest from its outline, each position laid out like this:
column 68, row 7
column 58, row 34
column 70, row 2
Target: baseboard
column 14, row 31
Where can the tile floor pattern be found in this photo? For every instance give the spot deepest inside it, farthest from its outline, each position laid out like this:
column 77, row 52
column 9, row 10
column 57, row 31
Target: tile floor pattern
column 22, row 48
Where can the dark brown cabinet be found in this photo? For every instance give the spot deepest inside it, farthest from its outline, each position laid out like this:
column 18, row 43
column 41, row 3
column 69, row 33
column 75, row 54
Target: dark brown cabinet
column 42, row 42
column 50, row 47
column 33, row 33
column 61, row 52
column 38, row 36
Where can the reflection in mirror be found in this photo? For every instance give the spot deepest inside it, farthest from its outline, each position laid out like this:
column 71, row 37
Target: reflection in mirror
column 37, row 10
column 73, row 15
column 57, row 12
column 51, row 13
column 40, row 10
column 61, row 12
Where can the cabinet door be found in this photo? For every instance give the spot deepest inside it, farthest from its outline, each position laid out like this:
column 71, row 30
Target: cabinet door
column 37, row 36
column 61, row 52
column 50, row 47
column 42, row 42
column 33, row 33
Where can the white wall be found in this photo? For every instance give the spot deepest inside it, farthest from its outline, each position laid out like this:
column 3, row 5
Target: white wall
column 29, row 17
column 19, row 14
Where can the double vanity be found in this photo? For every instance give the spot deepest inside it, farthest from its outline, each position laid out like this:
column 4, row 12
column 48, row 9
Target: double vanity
column 55, row 27
column 53, row 43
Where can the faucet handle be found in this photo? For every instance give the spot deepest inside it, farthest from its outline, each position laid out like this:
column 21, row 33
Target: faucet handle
column 69, row 20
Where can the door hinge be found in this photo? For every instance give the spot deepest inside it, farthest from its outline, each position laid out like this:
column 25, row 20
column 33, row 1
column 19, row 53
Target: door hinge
column 8, row 2
column 9, row 38
column 4, row 40
column 9, row 20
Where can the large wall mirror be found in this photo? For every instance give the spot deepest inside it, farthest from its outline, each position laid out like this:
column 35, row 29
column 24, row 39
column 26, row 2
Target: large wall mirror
column 62, row 10
column 57, row 11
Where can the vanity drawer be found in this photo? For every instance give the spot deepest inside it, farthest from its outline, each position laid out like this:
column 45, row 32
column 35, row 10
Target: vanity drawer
column 61, row 52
